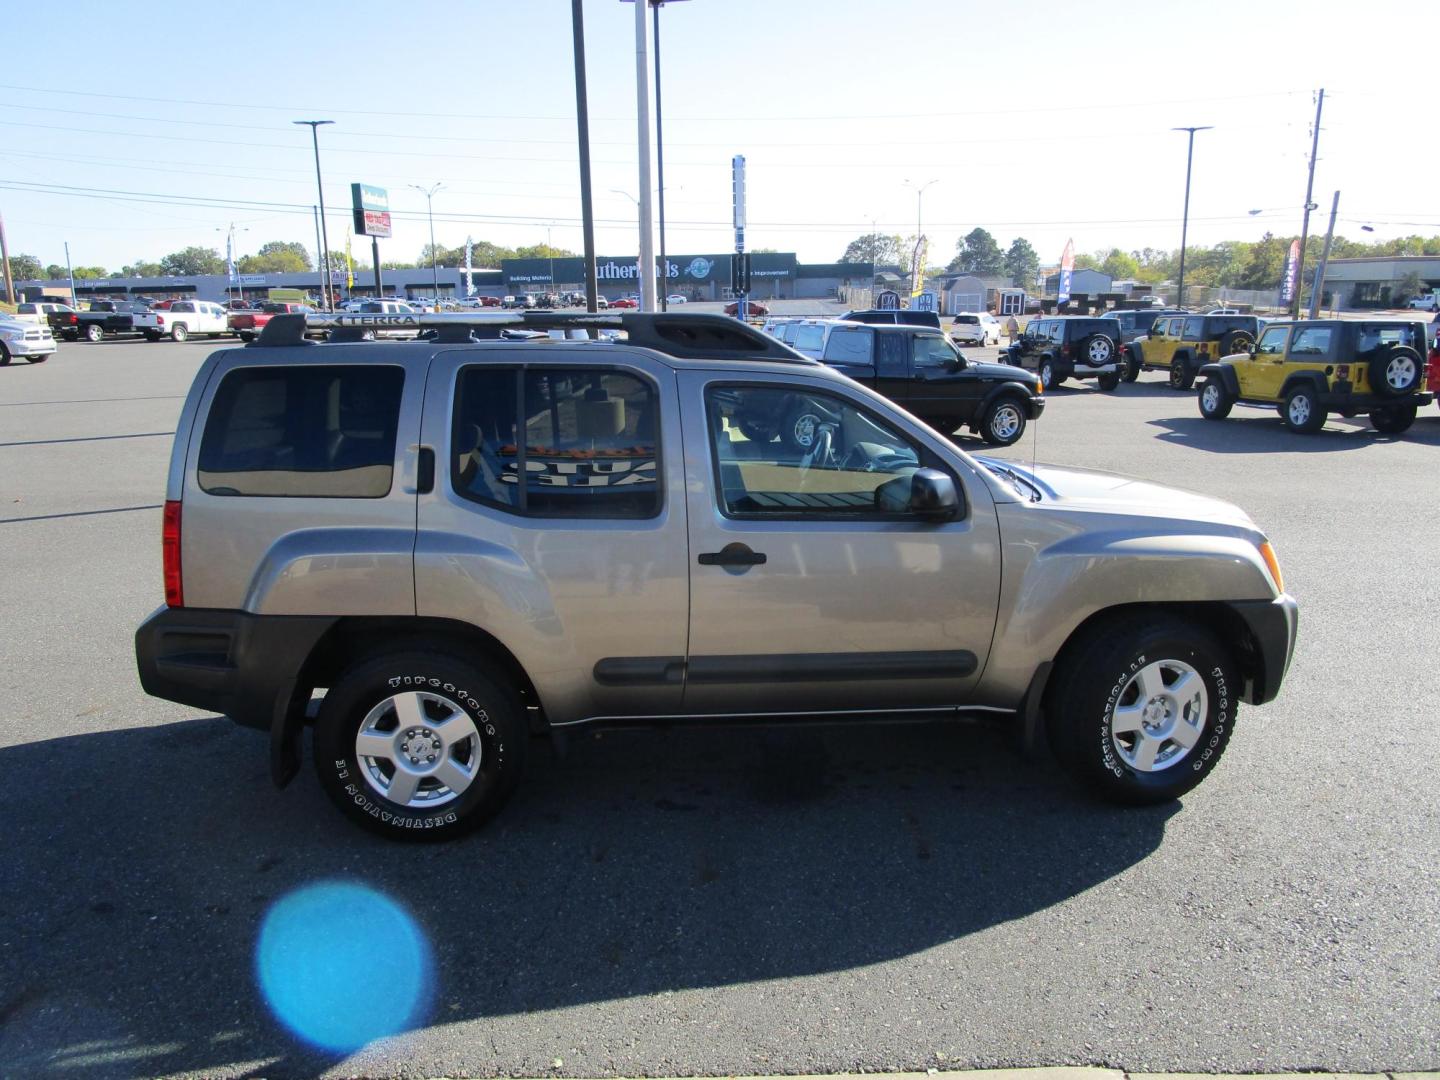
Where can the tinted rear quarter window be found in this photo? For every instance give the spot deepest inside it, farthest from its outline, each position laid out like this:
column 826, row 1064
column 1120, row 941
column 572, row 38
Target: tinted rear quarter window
column 325, row 431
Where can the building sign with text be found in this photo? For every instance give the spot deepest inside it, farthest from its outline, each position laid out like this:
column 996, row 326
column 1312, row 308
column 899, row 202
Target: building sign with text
column 371, row 208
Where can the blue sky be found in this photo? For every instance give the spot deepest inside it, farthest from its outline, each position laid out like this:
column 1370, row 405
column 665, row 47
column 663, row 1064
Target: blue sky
column 1044, row 120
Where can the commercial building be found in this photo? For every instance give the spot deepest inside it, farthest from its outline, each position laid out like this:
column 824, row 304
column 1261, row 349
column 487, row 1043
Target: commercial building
column 696, row 277
column 1376, row 282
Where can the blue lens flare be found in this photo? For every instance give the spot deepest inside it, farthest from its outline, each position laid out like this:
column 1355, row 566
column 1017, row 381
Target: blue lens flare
column 342, row 965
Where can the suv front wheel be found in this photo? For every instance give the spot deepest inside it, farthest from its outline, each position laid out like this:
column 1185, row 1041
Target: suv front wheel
column 1215, row 400
column 418, row 745
column 1181, row 377
column 1142, row 710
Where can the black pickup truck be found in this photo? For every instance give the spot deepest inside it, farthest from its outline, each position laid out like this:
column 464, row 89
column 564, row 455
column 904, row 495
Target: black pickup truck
column 920, row 370
column 106, row 317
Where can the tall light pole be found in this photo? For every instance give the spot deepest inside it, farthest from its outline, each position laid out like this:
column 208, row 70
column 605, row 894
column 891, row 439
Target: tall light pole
column 919, row 201
column 642, row 99
column 1185, row 218
column 326, row 299
column 429, row 194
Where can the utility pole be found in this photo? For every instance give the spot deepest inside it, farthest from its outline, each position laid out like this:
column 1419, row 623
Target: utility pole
column 326, row 300
column 1309, row 205
column 1318, row 290
column 660, row 162
column 5, row 258
column 582, row 122
column 70, row 271
column 1185, row 218
column 642, row 102
column 322, row 262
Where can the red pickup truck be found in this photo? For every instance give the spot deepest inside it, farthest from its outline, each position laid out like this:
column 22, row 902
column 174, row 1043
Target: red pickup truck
column 247, row 324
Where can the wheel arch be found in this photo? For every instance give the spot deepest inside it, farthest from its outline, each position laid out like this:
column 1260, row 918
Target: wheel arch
column 353, row 636
column 1225, row 373
column 1010, row 389
column 1221, row 619
column 1315, row 380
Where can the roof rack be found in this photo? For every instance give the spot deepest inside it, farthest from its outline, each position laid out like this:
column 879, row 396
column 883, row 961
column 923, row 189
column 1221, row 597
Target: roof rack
column 678, row 334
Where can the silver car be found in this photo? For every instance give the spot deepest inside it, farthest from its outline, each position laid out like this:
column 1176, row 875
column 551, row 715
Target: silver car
column 462, row 543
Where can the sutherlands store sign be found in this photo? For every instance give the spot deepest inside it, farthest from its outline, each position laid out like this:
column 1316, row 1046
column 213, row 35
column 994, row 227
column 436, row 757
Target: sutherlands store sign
column 679, row 269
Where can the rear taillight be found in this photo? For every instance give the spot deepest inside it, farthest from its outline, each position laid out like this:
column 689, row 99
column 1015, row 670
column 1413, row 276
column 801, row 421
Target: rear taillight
column 170, row 551
column 1064, row 351
column 159, row 320
column 74, row 319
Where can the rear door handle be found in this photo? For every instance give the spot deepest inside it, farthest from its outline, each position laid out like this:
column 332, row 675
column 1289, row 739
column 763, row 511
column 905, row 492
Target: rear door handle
column 732, row 555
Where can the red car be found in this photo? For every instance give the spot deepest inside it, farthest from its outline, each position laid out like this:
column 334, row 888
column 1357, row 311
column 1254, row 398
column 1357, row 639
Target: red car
column 751, row 306
column 1432, row 369
column 623, row 302
column 489, row 301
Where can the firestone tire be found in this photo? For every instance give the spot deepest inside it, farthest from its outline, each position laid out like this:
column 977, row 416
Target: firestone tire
column 1215, row 400
column 427, row 718
column 1142, row 710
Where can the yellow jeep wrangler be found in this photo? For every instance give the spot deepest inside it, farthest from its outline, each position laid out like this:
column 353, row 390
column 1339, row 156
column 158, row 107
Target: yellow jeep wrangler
column 1181, row 344
column 1308, row 369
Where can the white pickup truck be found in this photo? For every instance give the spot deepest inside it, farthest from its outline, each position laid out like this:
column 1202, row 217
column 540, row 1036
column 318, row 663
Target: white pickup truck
column 1425, row 303
column 186, row 317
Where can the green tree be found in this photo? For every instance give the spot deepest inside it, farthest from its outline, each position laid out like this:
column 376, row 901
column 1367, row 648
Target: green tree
column 1089, row 262
column 531, row 251
column 1022, row 263
column 1265, row 264
column 25, row 267
column 878, row 248
column 142, row 269
column 90, row 273
column 1117, row 264
column 1407, row 288
column 192, row 260
column 55, row 272
column 977, row 253
column 276, row 257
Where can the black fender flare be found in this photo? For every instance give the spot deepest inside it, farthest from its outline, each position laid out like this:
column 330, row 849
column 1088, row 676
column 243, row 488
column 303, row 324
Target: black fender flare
column 1011, row 388
column 1187, row 355
column 1223, row 372
column 1313, row 379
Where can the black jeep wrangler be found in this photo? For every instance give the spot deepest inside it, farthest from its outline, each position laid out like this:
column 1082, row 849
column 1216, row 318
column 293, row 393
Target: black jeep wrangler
column 1064, row 347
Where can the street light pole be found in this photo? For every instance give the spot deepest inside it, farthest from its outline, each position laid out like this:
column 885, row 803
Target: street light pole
column 1185, row 218
column 642, row 97
column 314, row 126
column 429, row 194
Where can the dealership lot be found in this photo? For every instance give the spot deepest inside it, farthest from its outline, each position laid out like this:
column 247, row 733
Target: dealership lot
column 740, row 901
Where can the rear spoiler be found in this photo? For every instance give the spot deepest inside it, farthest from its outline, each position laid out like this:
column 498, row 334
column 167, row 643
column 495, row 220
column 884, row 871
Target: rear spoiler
column 678, row 334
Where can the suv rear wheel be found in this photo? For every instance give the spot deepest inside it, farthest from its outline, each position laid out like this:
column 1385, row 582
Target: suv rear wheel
column 1392, row 419
column 418, row 745
column 1181, row 377
column 1215, row 400
column 1108, row 380
column 1132, row 364
column 1396, row 371
column 1142, row 710
column 1302, row 411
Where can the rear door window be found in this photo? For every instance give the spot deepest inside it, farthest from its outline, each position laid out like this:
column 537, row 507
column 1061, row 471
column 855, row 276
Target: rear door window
column 323, row 431
column 587, row 447
column 931, row 351
column 1194, row 329
column 847, row 346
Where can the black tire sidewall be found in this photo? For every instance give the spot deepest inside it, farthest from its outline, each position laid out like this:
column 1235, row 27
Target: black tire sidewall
column 484, row 696
column 4, row 355
column 988, row 434
column 1080, row 731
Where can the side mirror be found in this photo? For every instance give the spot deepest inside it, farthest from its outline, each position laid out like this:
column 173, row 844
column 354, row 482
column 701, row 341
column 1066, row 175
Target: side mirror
column 932, row 495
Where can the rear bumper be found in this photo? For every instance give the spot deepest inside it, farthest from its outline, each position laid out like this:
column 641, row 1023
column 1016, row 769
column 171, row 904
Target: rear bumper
column 230, row 662
column 1272, row 625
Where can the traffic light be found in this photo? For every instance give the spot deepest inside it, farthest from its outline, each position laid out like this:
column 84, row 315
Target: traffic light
column 740, row 273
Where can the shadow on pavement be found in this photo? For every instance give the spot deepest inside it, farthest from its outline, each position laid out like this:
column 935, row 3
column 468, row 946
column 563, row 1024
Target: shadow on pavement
column 140, row 862
column 1252, row 431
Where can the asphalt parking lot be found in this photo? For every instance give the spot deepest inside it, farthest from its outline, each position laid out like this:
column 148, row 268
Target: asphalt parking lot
column 721, row 902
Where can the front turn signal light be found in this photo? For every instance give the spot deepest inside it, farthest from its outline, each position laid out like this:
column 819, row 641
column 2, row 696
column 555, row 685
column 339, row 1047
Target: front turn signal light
column 1267, row 552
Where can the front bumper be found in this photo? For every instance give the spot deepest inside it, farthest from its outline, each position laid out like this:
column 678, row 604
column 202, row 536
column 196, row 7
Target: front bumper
column 23, row 347
column 1272, row 625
